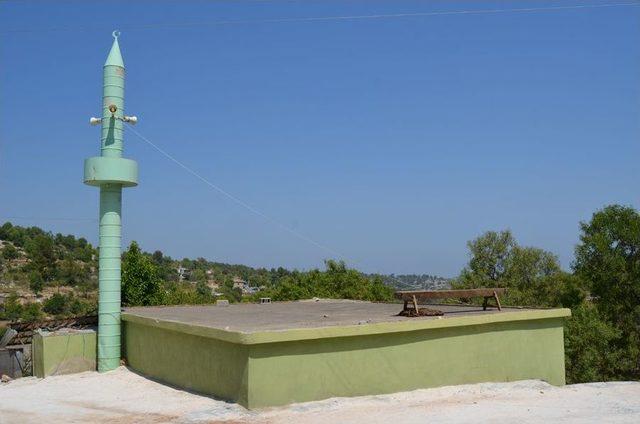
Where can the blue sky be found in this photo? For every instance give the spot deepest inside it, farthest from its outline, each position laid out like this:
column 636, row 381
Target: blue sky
column 391, row 141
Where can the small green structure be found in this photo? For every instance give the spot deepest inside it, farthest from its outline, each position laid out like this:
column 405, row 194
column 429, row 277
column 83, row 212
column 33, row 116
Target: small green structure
column 63, row 352
column 269, row 355
column 111, row 172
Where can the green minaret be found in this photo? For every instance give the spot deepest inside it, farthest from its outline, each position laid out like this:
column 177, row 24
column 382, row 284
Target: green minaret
column 111, row 172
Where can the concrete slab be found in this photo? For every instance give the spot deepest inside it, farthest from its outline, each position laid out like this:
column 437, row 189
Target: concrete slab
column 122, row 396
column 251, row 317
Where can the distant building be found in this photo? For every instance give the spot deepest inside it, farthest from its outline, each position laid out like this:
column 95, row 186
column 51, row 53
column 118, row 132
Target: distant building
column 244, row 286
column 239, row 283
column 183, row 273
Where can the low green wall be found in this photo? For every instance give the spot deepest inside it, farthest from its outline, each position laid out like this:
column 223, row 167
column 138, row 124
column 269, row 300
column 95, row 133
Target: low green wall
column 300, row 371
column 281, row 367
column 58, row 353
column 202, row 364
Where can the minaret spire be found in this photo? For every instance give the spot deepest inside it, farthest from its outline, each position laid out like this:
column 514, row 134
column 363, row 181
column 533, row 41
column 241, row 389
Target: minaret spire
column 115, row 57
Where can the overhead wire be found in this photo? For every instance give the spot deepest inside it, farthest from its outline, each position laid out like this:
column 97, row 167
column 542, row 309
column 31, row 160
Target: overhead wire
column 328, row 18
column 246, row 205
column 233, row 197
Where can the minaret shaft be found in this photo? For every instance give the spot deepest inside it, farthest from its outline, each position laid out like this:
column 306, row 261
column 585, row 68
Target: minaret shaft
column 109, row 277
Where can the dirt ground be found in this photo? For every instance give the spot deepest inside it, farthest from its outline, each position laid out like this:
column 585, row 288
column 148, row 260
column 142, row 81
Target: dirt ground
column 121, row 396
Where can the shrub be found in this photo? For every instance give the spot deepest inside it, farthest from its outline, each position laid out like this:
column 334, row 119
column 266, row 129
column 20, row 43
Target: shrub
column 56, row 304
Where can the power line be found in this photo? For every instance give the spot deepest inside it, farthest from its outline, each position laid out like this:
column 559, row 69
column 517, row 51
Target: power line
column 247, row 206
column 235, row 198
column 244, row 204
column 328, row 18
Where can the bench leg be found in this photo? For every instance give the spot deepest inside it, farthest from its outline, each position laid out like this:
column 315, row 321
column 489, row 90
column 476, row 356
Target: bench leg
column 495, row 295
column 485, row 303
column 406, row 303
column 415, row 305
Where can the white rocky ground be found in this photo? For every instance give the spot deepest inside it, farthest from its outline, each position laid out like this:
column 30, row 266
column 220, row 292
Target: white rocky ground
column 122, row 396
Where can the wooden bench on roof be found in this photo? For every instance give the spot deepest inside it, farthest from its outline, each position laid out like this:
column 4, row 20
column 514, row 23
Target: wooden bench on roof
column 411, row 298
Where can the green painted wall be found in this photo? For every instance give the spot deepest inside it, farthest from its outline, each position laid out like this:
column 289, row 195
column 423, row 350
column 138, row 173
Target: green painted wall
column 201, row 364
column 279, row 367
column 63, row 353
column 282, row 373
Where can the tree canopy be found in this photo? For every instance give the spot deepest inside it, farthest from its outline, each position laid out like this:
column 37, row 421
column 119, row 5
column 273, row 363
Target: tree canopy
column 140, row 282
column 532, row 276
column 608, row 260
column 337, row 281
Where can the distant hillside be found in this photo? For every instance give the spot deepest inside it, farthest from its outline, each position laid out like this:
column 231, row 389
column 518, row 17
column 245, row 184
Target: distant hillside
column 28, row 253
column 42, row 273
column 415, row 282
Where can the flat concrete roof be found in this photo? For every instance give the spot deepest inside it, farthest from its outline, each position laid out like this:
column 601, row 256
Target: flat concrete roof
column 250, row 317
column 249, row 323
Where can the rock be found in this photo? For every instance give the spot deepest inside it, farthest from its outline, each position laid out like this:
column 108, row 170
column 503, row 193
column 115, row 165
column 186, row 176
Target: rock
column 5, row 378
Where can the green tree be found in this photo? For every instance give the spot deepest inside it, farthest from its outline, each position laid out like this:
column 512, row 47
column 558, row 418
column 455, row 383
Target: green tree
column 36, row 282
column 157, row 257
column 77, row 307
column 588, row 347
column 42, row 254
column 198, row 275
column 491, row 255
column 529, row 266
column 379, row 291
column 9, row 252
column 140, row 283
column 232, row 294
column 71, row 272
column 337, row 281
column 88, row 285
column 567, row 291
column 56, row 304
column 31, row 312
column 12, row 309
column 608, row 260
column 291, row 289
column 532, row 275
column 5, row 231
column 203, row 290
